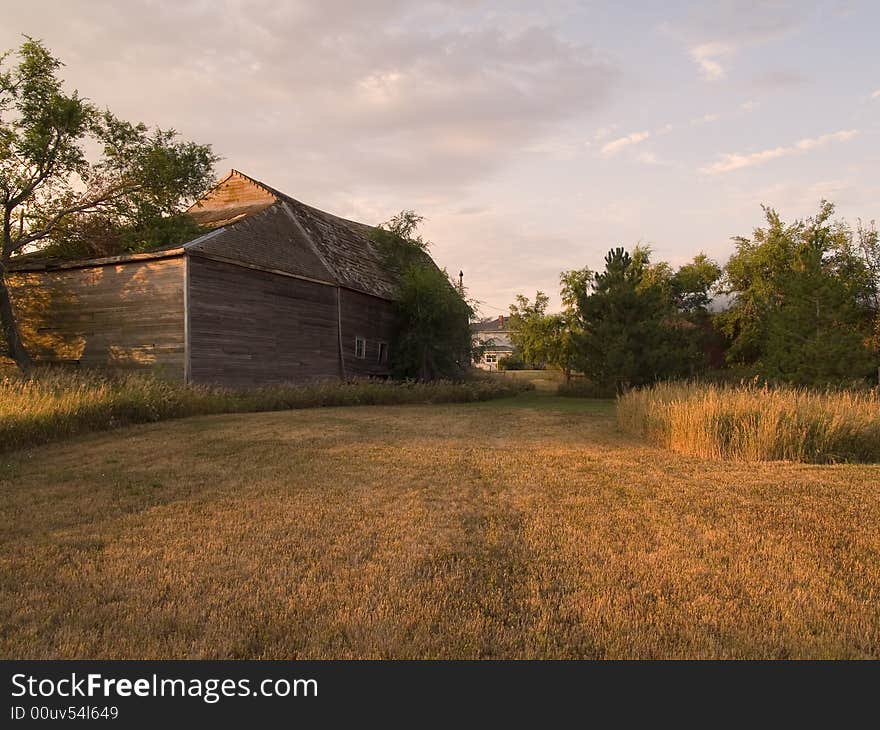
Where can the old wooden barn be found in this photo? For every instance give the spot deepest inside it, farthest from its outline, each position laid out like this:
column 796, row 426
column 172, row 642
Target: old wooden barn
column 274, row 291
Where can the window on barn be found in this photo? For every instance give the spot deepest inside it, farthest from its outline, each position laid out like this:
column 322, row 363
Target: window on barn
column 360, row 347
column 383, row 352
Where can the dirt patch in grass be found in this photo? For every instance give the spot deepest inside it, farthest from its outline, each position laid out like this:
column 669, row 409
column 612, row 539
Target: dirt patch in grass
column 467, row 531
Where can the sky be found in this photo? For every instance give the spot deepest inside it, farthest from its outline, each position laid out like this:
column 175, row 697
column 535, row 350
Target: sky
column 531, row 136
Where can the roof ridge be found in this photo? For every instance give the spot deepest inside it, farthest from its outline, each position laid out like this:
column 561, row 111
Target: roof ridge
column 289, row 198
column 308, row 236
column 328, row 213
column 345, row 249
column 281, row 196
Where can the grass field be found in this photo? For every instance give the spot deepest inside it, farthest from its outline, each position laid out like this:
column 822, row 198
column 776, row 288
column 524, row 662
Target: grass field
column 527, row 527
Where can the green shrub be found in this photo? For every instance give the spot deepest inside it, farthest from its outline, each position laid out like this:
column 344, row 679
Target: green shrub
column 511, row 362
column 53, row 404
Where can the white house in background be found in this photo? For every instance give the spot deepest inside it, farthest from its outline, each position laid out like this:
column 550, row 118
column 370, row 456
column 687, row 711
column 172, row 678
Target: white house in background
column 494, row 337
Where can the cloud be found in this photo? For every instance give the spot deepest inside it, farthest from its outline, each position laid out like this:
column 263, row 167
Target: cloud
column 391, row 94
column 648, row 158
column 875, row 94
column 714, row 33
column 735, row 161
column 706, row 56
column 811, row 143
column 614, row 146
column 730, row 162
column 748, row 106
column 619, row 144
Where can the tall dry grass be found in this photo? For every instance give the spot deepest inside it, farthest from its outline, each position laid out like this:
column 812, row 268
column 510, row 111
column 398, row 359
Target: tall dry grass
column 54, row 404
column 755, row 423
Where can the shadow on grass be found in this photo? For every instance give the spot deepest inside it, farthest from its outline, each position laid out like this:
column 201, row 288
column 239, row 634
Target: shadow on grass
column 535, row 400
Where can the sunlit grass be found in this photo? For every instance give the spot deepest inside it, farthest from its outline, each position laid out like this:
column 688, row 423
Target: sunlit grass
column 457, row 531
column 55, row 404
column 753, row 423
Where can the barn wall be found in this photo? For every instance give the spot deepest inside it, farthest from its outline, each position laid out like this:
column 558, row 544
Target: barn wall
column 371, row 318
column 121, row 316
column 250, row 327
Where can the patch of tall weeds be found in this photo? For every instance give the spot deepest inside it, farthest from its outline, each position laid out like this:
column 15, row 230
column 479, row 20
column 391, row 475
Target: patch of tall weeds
column 750, row 422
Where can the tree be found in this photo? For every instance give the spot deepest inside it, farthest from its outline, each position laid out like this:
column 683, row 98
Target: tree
column 689, row 288
column 803, row 309
column 432, row 315
column 574, row 285
column 868, row 243
column 693, row 284
column 549, row 338
column 50, row 189
column 529, row 328
column 631, row 332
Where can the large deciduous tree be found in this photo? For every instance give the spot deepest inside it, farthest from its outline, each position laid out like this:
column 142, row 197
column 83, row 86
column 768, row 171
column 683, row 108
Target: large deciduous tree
column 51, row 190
column 549, row 338
column 805, row 306
column 532, row 329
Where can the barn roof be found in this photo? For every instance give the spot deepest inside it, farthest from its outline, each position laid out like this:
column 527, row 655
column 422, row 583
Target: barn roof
column 269, row 240
column 263, row 226
column 37, row 261
column 251, row 223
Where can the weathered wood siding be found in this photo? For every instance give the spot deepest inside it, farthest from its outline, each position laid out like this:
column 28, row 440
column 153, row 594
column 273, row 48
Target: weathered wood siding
column 372, row 319
column 249, row 327
column 121, row 316
column 234, row 197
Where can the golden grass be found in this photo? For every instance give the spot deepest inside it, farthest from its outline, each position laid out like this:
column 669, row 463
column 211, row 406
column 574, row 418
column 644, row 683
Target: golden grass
column 54, row 404
column 753, row 423
column 489, row 530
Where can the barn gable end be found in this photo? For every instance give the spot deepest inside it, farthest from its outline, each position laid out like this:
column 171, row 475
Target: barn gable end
column 234, row 197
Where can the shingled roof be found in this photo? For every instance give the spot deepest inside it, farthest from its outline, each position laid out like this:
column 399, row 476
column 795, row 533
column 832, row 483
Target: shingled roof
column 259, row 225
column 269, row 239
column 251, row 223
column 501, row 323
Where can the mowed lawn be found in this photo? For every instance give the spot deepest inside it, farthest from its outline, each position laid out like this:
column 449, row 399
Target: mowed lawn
column 524, row 528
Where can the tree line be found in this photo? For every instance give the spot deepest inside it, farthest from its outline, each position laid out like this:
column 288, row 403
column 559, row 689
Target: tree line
column 796, row 303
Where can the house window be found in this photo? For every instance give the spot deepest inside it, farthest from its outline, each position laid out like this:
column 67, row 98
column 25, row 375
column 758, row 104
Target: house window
column 491, row 359
column 360, row 347
column 383, row 352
